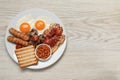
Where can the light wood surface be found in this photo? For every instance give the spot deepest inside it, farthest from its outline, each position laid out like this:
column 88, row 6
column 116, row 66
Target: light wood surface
column 93, row 48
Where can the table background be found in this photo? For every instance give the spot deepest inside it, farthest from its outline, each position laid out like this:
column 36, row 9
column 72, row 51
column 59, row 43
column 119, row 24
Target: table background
column 93, row 49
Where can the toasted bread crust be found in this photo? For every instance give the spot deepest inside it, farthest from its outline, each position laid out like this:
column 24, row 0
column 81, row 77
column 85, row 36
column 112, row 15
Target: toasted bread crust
column 26, row 56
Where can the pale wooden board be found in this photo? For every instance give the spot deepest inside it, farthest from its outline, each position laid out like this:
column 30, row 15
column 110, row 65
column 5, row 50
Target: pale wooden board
column 93, row 48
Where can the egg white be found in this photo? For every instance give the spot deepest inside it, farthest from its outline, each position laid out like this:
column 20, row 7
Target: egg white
column 32, row 20
column 28, row 19
column 45, row 19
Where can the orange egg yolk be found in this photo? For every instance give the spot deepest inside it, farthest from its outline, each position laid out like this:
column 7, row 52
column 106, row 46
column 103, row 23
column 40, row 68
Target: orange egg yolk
column 40, row 25
column 25, row 27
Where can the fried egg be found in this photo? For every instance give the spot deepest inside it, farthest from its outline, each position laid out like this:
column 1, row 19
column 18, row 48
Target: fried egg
column 25, row 23
column 42, row 23
column 28, row 22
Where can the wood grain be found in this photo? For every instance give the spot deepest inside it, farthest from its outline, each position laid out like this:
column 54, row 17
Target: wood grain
column 93, row 32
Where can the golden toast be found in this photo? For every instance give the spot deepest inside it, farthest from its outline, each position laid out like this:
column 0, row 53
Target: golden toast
column 26, row 56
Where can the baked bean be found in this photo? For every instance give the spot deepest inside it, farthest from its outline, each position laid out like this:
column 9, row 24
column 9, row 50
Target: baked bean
column 43, row 51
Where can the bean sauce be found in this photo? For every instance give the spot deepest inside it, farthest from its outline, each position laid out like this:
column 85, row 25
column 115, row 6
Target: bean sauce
column 43, row 51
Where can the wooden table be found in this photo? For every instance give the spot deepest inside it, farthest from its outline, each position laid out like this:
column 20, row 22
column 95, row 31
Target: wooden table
column 93, row 48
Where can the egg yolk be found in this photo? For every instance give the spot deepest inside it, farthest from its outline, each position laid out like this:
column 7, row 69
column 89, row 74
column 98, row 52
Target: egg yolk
column 25, row 27
column 40, row 25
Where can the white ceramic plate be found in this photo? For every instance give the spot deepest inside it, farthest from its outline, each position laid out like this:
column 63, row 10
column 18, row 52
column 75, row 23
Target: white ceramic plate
column 35, row 12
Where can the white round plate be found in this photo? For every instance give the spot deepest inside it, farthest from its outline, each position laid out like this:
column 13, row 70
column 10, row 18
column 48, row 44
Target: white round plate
column 35, row 12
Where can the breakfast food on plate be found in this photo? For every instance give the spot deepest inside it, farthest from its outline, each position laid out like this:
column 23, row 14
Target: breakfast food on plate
column 17, row 40
column 53, row 36
column 26, row 56
column 19, row 46
column 40, row 25
column 35, row 38
column 53, row 30
column 25, row 27
column 18, row 34
column 55, row 42
column 28, row 22
column 60, row 41
column 25, row 23
column 43, row 52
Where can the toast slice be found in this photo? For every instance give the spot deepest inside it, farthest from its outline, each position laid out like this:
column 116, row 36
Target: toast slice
column 26, row 56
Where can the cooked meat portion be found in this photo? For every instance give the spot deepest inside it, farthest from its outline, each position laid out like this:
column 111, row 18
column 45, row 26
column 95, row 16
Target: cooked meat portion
column 54, row 30
column 17, row 40
column 53, row 36
column 18, row 34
